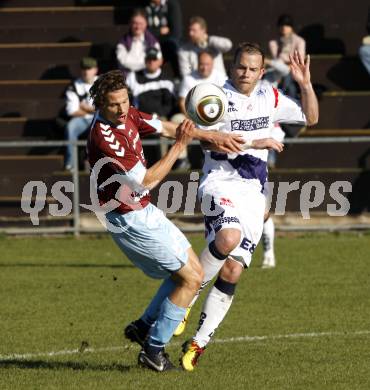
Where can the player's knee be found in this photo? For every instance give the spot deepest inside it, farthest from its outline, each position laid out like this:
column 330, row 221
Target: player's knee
column 231, row 271
column 196, row 267
column 227, row 241
column 193, row 281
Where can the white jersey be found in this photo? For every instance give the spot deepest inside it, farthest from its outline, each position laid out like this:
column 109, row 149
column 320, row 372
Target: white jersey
column 253, row 117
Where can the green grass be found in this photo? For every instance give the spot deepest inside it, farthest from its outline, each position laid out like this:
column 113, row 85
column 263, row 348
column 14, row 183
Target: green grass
column 58, row 294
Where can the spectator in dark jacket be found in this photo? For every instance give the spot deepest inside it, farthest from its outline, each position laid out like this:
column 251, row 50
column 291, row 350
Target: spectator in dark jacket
column 151, row 90
column 165, row 23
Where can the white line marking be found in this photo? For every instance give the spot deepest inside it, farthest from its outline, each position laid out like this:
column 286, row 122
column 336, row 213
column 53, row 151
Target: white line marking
column 15, row 356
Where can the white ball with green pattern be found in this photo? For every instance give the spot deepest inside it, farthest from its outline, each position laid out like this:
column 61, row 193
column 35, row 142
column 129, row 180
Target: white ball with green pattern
column 206, row 104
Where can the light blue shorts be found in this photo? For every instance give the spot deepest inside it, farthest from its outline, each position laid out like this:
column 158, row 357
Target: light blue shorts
column 151, row 242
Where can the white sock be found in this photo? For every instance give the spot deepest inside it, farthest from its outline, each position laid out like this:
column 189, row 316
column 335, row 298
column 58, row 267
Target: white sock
column 268, row 236
column 215, row 308
column 211, row 266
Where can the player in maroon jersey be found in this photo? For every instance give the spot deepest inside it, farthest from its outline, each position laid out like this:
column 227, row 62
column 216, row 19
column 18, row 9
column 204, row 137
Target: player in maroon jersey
column 140, row 229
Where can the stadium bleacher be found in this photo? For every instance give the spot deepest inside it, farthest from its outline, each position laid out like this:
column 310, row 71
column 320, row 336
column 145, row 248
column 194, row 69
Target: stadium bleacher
column 41, row 43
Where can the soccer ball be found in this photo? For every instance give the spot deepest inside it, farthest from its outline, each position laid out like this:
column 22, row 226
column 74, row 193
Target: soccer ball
column 206, row 104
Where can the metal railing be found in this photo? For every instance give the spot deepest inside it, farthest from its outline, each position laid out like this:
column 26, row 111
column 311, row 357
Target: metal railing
column 77, row 229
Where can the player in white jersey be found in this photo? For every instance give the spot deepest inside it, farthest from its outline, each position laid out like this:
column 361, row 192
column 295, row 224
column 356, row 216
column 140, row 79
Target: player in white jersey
column 232, row 187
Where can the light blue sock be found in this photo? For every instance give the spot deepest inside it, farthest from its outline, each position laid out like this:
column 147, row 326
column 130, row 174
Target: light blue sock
column 169, row 318
column 152, row 311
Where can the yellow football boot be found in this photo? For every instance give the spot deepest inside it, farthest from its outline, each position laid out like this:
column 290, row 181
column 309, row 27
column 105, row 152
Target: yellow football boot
column 182, row 325
column 192, row 351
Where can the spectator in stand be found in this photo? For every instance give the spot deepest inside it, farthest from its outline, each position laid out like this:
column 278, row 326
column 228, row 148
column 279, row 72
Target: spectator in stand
column 287, row 43
column 130, row 50
column 165, row 23
column 79, row 108
column 199, row 40
column 154, row 93
column 206, row 73
column 364, row 51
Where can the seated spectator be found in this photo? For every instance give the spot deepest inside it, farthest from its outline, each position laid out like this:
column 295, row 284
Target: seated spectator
column 154, row 93
column 151, row 91
column 204, row 74
column 165, row 23
column 130, row 50
column 288, row 42
column 199, row 40
column 79, row 108
column 364, row 51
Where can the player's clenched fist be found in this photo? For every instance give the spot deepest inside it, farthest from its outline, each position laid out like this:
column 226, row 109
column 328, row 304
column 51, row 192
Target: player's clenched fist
column 185, row 132
column 267, row 143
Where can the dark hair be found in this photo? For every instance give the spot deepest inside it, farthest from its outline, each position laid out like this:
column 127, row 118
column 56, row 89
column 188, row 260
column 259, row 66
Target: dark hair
column 199, row 20
column 250, row 48
column 139, row 12
column 210, row 51
column 285, row 20
column 107, row 82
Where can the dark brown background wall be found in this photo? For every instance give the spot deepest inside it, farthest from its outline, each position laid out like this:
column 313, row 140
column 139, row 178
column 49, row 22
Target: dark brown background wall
column 328, row 26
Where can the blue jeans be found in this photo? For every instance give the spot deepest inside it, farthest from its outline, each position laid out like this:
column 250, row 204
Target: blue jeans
column 75, row 127
column 364, row 53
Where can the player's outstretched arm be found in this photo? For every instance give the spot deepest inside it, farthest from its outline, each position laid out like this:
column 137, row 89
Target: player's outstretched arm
column 300, row 71
column 157, row 172
column 216, row 140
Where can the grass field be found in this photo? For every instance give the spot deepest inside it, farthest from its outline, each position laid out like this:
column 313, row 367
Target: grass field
column 303, row 325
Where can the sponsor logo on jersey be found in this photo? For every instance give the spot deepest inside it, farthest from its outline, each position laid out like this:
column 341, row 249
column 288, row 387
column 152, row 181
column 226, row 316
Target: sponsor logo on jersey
column 231, row 107
column 224, row 220
column 250, row 124
column 261, row 92
column 226, row 202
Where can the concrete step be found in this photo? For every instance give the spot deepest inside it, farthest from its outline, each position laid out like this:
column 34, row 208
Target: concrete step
column 23, row 128
column 345, row 110
column 56, row 53
column 49, row 69
column 37, row 89
column 36, row 4
column 331, row 73
column 97, row 34
column 56, row 16
column 325, row 155
column 27, row 165
column 35, row 109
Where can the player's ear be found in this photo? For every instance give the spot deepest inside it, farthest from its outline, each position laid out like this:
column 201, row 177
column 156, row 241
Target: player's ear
column 262, row 72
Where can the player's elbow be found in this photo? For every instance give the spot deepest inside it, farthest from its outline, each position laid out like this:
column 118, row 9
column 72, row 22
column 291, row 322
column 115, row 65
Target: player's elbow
column 313, row 120
column 149, row 182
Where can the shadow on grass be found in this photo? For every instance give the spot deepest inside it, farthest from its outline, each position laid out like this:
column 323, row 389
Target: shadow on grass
column 41, row 364
column 67, row 265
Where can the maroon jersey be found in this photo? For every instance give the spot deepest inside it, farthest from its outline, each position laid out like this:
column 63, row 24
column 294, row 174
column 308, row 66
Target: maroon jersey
column 123, row 144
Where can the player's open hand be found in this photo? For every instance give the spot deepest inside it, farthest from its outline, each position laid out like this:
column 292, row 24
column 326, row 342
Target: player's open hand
column 300, row 69
column 227, row 142
column 267, row 143
column 185, row 132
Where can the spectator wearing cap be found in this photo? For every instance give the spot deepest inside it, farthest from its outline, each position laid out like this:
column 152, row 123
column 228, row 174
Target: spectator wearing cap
column 130, row 51
column 364, row 50
column 78, row 104
column 152, row 91
column 287, row 43
column 165, row 23
column 198, row 40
